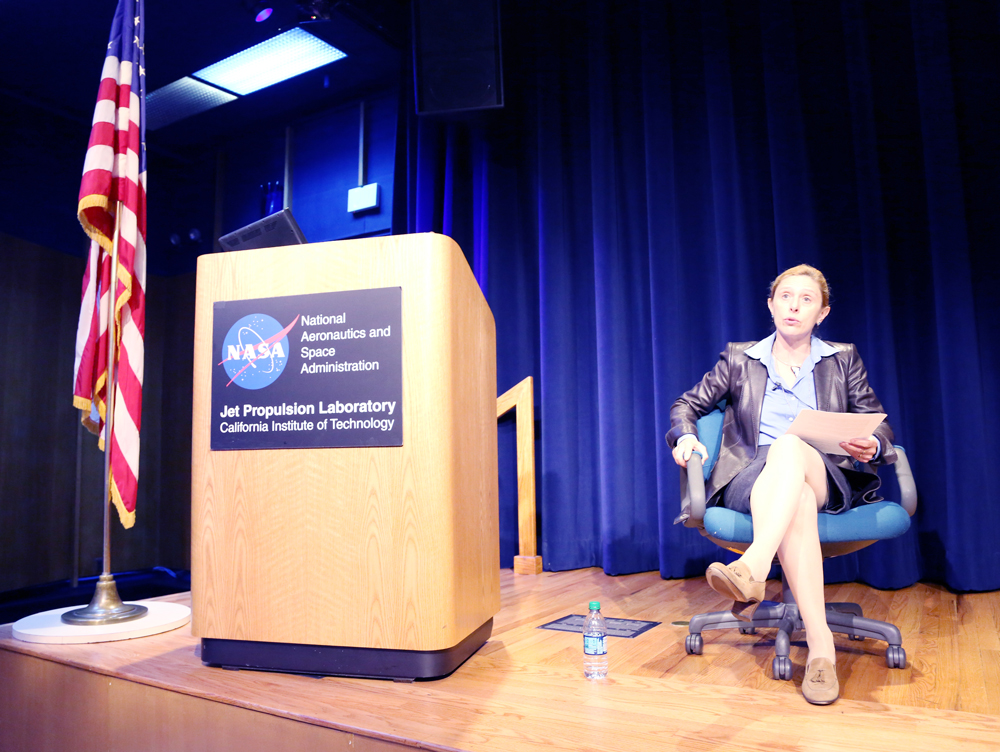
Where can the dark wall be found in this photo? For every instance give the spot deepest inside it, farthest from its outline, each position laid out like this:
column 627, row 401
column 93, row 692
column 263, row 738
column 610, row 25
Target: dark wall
column 39, row 434
column 180, row 191
column 41, row 161
column 37, row 419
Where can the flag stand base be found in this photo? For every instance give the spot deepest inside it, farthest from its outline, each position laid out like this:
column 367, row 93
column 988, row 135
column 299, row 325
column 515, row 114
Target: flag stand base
column 105, row 607
column 48, row 627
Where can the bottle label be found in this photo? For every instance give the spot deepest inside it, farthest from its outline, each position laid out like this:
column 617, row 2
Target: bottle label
column 594, row 645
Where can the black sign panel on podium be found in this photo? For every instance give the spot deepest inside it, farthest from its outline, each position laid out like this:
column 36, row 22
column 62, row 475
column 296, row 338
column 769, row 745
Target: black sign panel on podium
column 307, row 371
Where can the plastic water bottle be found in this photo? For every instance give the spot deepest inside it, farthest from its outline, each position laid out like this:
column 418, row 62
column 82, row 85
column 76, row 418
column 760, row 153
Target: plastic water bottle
column 595, row 644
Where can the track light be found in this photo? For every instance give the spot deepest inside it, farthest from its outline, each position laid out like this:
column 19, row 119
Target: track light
column 262, row 11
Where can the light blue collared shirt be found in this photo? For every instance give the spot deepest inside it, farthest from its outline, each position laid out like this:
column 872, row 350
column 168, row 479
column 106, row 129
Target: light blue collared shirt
column 781, row 402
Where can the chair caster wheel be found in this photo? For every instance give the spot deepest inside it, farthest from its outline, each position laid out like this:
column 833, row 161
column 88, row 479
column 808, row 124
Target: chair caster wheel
column 781, row 667
column 693, row 644
column 748, row 630
column 895, row 657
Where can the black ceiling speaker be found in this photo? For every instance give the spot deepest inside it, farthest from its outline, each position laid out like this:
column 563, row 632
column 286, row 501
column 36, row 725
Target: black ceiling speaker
column 456, row 55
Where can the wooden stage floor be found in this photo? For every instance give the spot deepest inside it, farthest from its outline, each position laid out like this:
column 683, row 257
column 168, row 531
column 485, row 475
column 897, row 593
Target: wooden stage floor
column 524, row 690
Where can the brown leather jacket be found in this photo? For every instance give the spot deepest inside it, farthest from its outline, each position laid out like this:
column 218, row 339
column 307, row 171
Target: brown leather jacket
column 841, row 386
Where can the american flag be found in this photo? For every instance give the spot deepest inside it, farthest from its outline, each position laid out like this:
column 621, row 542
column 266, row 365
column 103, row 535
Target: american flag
column 113, row 203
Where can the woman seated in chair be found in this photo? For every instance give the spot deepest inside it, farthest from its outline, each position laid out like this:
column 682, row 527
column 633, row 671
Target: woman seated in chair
column 779, row 479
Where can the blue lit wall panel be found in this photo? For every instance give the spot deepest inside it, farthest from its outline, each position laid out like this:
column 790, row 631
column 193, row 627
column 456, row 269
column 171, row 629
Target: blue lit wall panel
column 325, row 168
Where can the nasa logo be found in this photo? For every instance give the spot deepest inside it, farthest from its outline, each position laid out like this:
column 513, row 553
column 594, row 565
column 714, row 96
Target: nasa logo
column 255, row 351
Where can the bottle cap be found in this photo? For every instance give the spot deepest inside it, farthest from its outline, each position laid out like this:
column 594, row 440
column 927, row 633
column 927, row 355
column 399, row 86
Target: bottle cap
column 595, row 606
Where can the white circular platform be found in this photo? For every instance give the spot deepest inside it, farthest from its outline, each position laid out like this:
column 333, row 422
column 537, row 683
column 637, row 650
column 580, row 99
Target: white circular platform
column 48, row 626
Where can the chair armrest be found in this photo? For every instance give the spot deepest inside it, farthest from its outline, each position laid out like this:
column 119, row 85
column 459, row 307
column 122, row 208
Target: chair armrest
column 904, row 477
column 692, row 493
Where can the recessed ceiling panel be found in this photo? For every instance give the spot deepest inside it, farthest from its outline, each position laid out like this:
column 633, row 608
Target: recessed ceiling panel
column 182, row 99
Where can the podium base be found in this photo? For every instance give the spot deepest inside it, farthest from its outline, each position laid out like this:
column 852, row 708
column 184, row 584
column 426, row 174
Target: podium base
column 329, row 660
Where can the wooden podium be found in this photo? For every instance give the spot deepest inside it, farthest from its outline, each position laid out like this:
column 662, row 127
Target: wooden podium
column 366, row 561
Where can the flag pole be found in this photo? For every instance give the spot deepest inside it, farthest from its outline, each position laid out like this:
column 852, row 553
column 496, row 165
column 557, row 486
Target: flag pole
column 106, row 607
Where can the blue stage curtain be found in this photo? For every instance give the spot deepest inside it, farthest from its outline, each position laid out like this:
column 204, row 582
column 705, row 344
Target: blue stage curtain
column 655, row 166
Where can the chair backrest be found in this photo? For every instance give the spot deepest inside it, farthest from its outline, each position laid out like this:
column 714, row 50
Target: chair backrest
column 710, row 434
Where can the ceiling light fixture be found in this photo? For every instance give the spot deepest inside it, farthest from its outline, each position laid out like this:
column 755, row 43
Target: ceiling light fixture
column 282, row 57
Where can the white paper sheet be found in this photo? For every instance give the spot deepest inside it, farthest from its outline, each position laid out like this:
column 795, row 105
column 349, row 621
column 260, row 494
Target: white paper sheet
column 825, row 430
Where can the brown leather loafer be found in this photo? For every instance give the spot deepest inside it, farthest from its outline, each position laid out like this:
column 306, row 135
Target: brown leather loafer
column 735, row 581
column 820, row 685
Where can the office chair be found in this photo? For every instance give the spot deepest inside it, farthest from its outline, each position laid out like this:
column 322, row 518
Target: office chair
column 839, row 534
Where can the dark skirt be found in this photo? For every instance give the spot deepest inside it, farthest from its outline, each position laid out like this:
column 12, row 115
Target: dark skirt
column 845, row 488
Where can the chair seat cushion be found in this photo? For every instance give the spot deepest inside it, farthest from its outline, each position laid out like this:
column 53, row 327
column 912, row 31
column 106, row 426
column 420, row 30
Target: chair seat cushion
column 878, row 521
